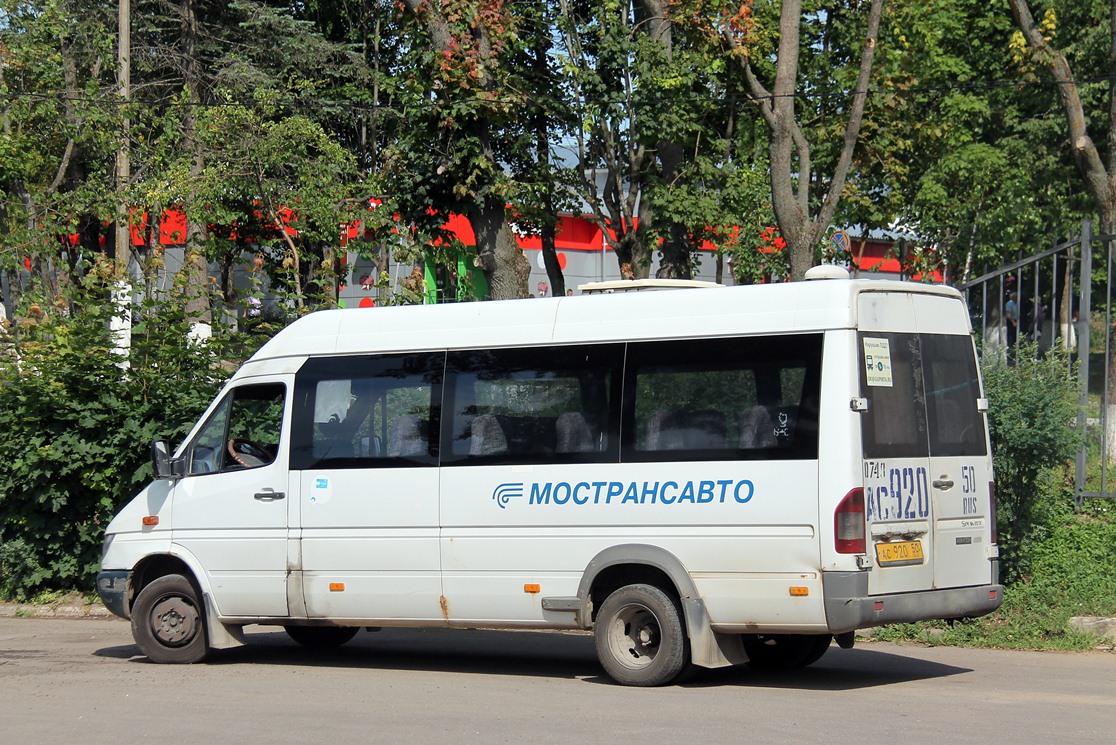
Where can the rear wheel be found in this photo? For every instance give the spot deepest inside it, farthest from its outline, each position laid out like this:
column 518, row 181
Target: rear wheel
column 785, row 651
column 321, row 637
column 640, row 638
column 168, row 621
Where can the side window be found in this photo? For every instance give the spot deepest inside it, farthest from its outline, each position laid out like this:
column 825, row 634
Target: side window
column 243, row 431
column 722, row 399
column 362, row 412
column 532, row 405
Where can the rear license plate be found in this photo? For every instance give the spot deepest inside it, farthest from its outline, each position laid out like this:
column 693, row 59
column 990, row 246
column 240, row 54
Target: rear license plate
column 899, row 554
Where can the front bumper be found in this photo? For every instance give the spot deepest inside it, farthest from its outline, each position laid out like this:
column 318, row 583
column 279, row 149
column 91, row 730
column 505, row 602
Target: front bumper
column 848, row 606
column 114, row 587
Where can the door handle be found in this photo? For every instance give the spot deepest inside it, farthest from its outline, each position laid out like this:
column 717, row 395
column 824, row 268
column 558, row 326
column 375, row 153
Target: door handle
column 269, row 495
column 943, row 484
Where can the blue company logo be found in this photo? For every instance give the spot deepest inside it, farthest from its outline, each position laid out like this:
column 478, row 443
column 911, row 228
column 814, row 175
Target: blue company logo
column 506, row 492
column 321, row 484
column 732, row 491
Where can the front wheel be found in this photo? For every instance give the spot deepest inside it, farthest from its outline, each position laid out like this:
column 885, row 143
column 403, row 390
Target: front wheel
column 785, row 651
column 640, row 638
column 168, row 621
column 321, row 637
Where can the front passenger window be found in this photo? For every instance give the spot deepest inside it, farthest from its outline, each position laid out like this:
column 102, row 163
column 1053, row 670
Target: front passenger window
column 243, row 432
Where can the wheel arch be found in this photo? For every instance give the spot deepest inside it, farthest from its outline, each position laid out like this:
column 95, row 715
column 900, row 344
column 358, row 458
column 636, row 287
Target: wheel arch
column 150, row 568
column 632, row 563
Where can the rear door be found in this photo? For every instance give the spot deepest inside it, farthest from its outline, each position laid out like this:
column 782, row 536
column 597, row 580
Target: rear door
column 960, row 468
column 925, row 445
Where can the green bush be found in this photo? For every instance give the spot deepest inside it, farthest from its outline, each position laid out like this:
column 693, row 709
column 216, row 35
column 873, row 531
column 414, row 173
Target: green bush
column 1056, row 563
column 76, row 426
column 1072, row 573
column 1032, row 407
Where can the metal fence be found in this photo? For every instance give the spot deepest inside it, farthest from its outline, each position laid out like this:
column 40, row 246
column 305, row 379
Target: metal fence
column 1050, row 295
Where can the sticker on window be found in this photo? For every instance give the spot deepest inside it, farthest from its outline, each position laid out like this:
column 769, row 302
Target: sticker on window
column 877, row 362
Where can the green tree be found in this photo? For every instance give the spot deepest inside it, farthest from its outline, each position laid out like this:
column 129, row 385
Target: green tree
column 461, row 108
column 56, row 125
column 1089, row 47
column 829, row 111
column 950, row 151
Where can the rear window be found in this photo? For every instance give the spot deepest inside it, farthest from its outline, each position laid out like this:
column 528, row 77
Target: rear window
column 922, row 392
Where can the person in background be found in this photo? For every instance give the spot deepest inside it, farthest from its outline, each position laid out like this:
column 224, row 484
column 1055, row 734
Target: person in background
column 1012, row 310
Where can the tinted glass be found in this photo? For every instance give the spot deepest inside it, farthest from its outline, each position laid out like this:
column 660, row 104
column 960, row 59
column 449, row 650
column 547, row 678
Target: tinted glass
column 891, row 379
column 532, row 405
column 362, row 412
column 723, row 399
column 922, row 393
column 952, row 391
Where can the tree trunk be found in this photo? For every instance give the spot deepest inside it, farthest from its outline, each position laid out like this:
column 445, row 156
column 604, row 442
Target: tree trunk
column 1097, row 172
column 789, row 149
column 195, row 268
column 498, row 253
column 676, row 262
column 1108, row 227
column 542, row 156
column 1066, row 324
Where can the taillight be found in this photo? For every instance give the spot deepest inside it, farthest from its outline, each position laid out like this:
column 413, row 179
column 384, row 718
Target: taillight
column 848, row 524
column 992, row 509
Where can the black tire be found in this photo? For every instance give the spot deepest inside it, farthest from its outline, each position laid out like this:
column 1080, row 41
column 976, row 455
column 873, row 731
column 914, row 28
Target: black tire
column 785, row 651
column 168, row 622
column 640, row 637
column 321, row 637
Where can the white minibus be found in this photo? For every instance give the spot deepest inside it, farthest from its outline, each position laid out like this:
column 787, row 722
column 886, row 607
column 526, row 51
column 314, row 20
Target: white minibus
column 705, row 476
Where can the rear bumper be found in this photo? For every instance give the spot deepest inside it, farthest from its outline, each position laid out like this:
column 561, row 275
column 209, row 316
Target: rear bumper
column 113, row 587
column 848, row 606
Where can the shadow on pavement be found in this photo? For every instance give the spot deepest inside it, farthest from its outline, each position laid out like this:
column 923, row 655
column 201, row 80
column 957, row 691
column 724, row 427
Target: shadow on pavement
column 549, row 655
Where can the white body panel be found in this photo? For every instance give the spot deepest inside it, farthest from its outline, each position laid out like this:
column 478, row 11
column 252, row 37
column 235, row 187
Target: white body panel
column 376, row 532
column 746, row 530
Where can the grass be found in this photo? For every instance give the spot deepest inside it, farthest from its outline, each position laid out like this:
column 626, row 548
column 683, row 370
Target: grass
column 1070, row 571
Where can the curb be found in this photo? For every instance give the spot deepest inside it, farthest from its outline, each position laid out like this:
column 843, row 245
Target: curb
column 1102, row 628
column 77, row 609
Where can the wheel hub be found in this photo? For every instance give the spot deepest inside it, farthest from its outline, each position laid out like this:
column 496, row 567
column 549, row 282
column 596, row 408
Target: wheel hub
column 636, row 632
column 174, row 621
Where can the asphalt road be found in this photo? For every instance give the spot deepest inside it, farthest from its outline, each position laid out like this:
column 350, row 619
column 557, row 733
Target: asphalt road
column 84, row 681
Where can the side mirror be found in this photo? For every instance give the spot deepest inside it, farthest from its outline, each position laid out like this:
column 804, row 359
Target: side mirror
column 164, row 466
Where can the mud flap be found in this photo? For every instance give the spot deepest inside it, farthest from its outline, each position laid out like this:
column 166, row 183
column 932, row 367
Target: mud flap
column 708, row 648
column 220, row 635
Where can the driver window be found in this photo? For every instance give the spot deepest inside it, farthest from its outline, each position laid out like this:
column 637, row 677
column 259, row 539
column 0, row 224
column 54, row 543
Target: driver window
column 243, row 431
